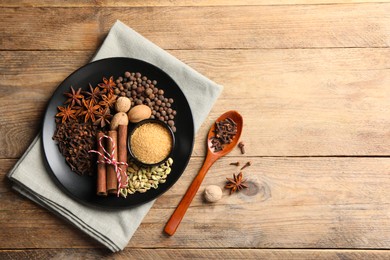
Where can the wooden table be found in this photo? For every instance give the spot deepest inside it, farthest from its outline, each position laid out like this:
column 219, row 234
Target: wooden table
column 312, row 81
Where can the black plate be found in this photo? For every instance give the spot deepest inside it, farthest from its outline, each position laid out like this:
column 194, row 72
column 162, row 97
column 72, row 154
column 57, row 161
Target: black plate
column 83, row 188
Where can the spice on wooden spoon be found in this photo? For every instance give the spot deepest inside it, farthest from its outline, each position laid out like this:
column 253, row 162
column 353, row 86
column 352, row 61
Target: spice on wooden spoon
column 211, row 157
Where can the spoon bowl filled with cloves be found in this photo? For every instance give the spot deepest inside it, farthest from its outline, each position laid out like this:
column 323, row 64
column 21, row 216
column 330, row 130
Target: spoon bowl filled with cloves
column 222, row 137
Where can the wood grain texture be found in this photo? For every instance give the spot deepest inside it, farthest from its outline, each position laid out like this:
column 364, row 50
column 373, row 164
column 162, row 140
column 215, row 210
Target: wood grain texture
column 27, row 80
column 139, row 253
column 313, row 203
column 295, row 102
column 311, row 79
column 286, row 26
column 290, row 203
column 154, row 3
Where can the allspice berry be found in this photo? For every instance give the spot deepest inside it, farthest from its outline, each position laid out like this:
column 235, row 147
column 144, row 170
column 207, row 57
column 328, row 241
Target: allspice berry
column 122, row 104
column 212, row 193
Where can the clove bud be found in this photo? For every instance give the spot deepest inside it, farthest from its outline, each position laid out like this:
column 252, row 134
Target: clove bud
column 241, row 146
column 246, row 165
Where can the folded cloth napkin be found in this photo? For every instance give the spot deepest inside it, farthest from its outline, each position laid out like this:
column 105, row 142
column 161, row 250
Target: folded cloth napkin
column 112, row 228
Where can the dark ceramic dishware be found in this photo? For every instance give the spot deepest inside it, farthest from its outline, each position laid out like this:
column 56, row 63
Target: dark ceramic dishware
column 83, row 188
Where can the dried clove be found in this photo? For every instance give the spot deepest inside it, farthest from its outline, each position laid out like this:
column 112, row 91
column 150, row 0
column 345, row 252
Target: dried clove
column 246, row 165
column 74, row 141
column 235, row 163
column 224, row 132
column 241, row 146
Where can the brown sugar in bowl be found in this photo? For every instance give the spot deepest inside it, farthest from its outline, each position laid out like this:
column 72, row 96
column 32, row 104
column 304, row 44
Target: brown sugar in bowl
column 151, row 142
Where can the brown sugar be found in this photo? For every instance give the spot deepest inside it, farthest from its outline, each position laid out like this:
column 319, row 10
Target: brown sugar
column 151, row 143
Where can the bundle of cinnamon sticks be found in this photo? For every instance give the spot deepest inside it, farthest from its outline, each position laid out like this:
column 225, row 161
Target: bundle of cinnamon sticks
column 107, row 181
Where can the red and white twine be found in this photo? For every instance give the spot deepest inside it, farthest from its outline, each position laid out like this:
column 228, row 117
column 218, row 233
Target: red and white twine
column 109, row 159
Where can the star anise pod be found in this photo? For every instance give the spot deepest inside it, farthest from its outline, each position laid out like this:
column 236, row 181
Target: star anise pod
column 74, row 97
column 93, row 95
column 108, row 85
column 66, row 113
column 236, row 184
column 90, row 110
column 103, row 117
column 108, row 100
column 79, row 109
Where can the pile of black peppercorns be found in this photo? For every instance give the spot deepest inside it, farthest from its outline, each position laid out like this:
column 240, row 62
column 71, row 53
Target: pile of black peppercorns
column 141, row 90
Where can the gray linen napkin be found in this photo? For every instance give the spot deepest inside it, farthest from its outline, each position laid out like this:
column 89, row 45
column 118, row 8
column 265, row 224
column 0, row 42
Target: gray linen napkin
column 112, row 228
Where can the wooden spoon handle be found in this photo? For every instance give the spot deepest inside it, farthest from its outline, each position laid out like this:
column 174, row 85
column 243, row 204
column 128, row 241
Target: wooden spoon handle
column 185, row 202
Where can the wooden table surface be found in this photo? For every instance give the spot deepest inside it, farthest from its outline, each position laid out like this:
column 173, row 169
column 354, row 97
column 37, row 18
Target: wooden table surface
column 312, row 81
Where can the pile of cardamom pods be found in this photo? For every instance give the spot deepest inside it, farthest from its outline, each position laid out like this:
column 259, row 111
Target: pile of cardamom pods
column 142, row 179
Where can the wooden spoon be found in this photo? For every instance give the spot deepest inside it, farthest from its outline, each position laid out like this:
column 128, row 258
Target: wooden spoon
column 211, row 157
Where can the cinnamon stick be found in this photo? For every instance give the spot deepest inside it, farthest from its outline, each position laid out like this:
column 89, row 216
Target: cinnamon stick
column 122, row 151
column 101, row 186
column 112, row 183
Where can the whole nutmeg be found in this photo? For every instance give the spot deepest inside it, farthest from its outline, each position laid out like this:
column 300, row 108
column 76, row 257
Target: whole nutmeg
column 119, row 118
column 212, row 193
column 138, row 113
column 122, row 104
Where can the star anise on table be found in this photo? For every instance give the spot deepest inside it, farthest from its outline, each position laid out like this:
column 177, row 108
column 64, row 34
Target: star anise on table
column 74, row 97
column 93, row 95
column 66, row 113
column 108, row 85
column 90, row 110
column 108, row 100
column 236, row 184
column 103, row 117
